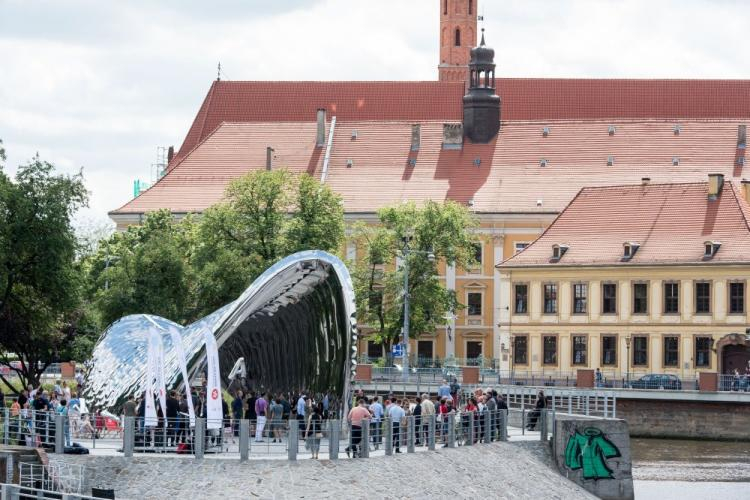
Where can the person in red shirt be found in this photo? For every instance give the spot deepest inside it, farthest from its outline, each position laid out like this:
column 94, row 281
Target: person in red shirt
column 356, row 415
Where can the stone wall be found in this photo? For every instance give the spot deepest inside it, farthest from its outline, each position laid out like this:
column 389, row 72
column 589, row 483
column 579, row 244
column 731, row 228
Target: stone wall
column 497, row 470
column 685, row 419
column 595, row 453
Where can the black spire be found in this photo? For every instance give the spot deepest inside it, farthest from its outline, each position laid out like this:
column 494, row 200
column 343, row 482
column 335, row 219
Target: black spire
column 481, row 104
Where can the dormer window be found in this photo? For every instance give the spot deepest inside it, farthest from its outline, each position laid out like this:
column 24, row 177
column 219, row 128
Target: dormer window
column 558, row 251
column 710, row 249
column 629, row 249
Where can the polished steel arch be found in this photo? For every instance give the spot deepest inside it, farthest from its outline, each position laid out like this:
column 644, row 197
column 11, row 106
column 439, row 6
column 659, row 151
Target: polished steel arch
column 295, row 326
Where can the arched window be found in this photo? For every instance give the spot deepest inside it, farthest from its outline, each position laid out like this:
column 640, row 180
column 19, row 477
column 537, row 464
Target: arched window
column 471, row 7
column 458, row 37
column 445, row 7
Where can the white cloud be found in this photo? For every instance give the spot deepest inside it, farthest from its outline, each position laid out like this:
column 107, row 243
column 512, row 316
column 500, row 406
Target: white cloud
column 102, row 84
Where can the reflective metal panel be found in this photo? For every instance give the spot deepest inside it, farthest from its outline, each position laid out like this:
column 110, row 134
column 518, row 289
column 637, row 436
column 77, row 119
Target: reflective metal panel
column 295, row 326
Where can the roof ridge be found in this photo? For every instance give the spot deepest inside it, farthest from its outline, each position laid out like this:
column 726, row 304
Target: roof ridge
column 649, row 185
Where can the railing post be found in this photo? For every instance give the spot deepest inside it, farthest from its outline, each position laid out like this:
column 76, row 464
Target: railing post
column 6, row 428
column 606, row 406
column 431, row 432
column 587, row 404
column 293, row 442
column 33, row 428
column 410, row 436
column 570, row 404
column 451, row 430
column 504, row 425
column 334, row 435
column 487, row 426
column 523, row 421
column 59, row 434
column 199, row 441
column 128, row 436
column 470, row 437
column 388, row 437
column 614, row 406
column 543, row 425
column 364, row 443
column 245, row 439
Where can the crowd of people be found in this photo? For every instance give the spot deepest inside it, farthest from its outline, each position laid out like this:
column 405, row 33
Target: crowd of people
column 468, row 413
column 32, row 413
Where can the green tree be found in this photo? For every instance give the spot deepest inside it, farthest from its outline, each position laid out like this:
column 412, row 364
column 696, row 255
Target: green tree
column 40, row 280
column 144, row 269
column 265, row 217
column 443, row 230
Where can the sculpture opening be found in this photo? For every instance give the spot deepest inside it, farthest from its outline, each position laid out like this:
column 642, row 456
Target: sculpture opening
column 295, row 327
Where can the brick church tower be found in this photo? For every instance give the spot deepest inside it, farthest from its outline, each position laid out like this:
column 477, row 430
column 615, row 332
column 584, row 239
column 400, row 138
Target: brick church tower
column 458, row 35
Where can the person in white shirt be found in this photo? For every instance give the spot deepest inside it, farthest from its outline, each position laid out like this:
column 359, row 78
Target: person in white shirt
column 376, row 409
column 397, row 415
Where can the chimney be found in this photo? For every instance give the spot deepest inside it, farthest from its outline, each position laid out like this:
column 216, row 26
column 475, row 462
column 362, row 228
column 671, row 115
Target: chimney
column 320, row 138
column 170, row 154
column 416, row 137
column 269, row 158
column 645, row 181
column 715, row 184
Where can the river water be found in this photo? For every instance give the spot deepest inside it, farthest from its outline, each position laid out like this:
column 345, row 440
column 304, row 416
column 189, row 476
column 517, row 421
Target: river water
column 666, row 469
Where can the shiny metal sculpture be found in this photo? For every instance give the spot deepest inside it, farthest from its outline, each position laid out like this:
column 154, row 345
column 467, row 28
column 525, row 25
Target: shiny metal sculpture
column 295, row 327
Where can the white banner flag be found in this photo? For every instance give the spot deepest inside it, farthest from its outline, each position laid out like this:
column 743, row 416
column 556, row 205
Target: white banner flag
column 213, row 383
column 160, row 385
column 151, row 419
column 180, row 353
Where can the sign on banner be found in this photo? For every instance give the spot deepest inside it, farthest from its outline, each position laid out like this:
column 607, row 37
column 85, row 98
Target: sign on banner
column 160, row 385
column 180, row 353
column 213, row 383
column 151, row 419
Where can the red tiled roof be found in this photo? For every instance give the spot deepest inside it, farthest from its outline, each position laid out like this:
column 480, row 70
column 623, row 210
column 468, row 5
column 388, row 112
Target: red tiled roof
column 523, row 99
column 509, row 178
column 229, row 101
column 670, row 222
column 232, row 150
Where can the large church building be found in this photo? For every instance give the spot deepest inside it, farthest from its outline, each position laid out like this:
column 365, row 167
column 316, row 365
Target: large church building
column 519, row 152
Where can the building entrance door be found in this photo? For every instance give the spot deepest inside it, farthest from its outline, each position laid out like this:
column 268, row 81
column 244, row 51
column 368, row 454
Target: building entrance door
column 473, row 351
column 734, row 357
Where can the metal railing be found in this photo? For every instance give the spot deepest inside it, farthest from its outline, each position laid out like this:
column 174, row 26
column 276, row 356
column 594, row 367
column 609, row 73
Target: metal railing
column 301, row 439
column 734, row 383
column 18, row 492
column 542, row 378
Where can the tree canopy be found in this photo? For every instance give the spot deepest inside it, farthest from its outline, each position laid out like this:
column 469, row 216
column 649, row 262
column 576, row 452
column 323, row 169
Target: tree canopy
column 442, row 230
column 40, row 278
column 183, row 270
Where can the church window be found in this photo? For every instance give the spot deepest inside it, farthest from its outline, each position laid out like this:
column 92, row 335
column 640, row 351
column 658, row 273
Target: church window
column 445, row 7
column 458, row 37
column 471, row 7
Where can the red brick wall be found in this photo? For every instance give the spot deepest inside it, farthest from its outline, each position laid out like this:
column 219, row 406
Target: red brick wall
column 685, row 419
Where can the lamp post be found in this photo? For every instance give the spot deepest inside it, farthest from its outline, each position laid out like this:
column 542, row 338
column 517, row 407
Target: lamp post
column 510, row 354
column 627, row 345
column 405, row 252
column 110, row 258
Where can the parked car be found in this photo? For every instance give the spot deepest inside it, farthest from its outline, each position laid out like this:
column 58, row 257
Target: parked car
column 657, row 381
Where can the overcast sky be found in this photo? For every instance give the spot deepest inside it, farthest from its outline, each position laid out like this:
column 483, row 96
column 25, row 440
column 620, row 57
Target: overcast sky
column 100, row 84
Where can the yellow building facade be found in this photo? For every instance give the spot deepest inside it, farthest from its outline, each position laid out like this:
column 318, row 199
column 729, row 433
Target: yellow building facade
column 661, row 319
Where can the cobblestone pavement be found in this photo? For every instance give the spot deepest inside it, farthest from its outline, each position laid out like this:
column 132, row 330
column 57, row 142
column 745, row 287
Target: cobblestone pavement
column 519, row 470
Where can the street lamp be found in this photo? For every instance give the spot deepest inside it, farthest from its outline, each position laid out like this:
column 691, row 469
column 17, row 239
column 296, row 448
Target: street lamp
column 110, row 258
column 627, row 345
column 405, row 252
